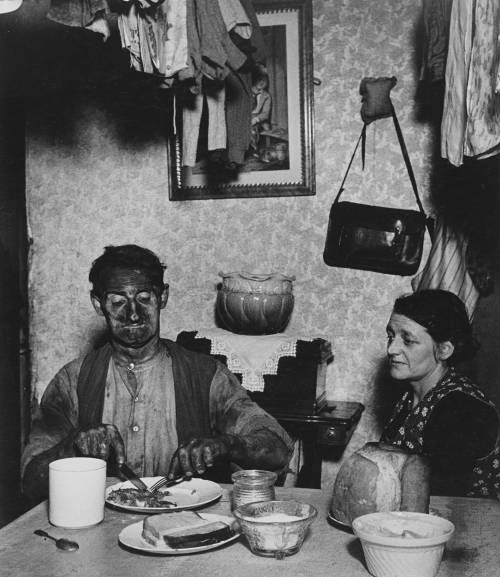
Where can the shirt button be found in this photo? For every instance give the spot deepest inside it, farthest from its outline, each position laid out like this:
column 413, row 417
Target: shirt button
column 131, row 366
column 135, row 428
column 136, row 399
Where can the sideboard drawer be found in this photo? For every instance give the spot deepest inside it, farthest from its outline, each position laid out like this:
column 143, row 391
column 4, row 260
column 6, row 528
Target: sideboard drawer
column 331, row 435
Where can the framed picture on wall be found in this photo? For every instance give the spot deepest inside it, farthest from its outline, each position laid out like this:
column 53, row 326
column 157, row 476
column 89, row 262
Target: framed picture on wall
column 277, row 157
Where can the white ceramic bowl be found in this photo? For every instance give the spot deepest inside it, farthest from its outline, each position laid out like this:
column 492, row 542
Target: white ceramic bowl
column 275, row 528
column 402, row 544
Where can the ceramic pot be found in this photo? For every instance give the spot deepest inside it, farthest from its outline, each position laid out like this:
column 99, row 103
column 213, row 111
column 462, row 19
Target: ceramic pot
column 254, row 304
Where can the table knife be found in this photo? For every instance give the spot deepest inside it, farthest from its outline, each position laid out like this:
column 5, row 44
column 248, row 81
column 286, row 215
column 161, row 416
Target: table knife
column 133, row 478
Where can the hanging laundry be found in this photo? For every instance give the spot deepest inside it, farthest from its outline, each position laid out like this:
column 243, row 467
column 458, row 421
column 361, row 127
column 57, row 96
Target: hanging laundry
column 155, row 37
column 214, row 95
column 228, row 36
column 471, row 115
column 90, row 14
column 255, row 48
column 235, row 18
column 208, row 45
column 218, row 52
column 436, row 22
column 192, row 74
column 238, row 116
column 175, row 37
column 239, row 102
column 496, row 67
column 446, row 267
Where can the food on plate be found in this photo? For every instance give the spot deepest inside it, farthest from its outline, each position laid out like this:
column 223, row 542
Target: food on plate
column 139, row 498
column 377, row 479
column 183, row 529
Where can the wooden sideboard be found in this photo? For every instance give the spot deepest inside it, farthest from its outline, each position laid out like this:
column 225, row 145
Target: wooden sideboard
column 323, row 434
column 295, row 394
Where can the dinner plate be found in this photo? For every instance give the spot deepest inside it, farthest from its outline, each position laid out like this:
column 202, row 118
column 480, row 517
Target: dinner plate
column 341, row 524
column 187, row 495
column 131, row 537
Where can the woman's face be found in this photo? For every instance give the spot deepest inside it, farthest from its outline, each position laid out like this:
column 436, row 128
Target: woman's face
column 412, row 352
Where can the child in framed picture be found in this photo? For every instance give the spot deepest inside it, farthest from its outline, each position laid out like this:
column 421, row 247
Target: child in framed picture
column 261, row 110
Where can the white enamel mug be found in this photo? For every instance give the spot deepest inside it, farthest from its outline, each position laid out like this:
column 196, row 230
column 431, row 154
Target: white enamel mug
column 77, row 488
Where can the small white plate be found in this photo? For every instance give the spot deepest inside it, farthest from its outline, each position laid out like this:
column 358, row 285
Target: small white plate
column 131, row 537
column 340, row 523
column 188, row 495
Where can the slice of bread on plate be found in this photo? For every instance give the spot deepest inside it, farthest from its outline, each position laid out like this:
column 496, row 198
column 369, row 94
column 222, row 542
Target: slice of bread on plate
column 182, row 529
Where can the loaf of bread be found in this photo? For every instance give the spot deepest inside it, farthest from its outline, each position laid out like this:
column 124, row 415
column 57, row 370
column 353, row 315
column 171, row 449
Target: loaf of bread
column 181, row 529
column 377, row 478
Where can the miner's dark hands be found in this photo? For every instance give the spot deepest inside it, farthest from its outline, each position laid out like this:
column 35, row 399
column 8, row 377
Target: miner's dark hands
column 100, row 442
column 200, row 454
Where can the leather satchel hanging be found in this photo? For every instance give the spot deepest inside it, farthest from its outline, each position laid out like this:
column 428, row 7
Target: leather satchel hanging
column 376, row 238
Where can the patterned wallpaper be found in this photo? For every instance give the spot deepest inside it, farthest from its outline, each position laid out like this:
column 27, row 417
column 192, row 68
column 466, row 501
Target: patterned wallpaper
column 93, row 180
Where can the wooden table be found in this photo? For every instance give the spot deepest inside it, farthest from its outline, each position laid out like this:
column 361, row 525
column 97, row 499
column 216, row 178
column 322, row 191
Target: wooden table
column 327, row 552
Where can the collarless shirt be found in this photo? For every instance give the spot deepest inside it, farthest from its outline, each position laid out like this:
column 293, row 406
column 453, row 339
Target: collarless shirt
column 140, row 401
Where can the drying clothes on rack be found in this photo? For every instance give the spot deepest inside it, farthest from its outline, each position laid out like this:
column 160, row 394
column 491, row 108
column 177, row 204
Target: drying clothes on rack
column 208, row 45
column 471, row 115
column 170, row 36
column 219, row 39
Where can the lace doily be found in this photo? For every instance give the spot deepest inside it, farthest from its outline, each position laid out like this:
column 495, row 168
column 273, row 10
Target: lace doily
column 252, row 356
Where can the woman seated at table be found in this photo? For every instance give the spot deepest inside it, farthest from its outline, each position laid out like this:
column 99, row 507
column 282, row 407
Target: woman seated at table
column 441, row 413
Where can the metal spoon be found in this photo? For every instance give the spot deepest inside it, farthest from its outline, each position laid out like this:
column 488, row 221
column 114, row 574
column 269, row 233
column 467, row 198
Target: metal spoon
column 64, row 544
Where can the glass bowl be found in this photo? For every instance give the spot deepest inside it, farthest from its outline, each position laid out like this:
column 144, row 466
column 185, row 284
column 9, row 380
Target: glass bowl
column 275, row 528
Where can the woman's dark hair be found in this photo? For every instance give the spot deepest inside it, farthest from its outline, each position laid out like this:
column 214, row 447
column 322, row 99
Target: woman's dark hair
column 444, row 316
column 128, row 256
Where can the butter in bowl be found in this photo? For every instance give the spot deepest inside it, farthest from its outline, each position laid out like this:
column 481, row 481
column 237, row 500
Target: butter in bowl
column 402, row 543
column 275, row 528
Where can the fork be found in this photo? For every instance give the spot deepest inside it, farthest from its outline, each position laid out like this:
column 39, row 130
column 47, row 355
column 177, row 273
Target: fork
column 166, row 482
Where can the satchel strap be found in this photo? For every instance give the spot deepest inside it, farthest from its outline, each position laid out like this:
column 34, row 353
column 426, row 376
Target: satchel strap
column 406, row 158
column 362, row 137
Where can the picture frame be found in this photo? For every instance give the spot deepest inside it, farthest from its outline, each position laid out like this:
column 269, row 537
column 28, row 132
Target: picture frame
column 280, row 158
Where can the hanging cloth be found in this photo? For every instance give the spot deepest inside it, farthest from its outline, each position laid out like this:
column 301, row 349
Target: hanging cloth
column 78, row 13
column 436, row 21
column 446, row 267
column 235, row 18
column 215, row 95
column 471, row 115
